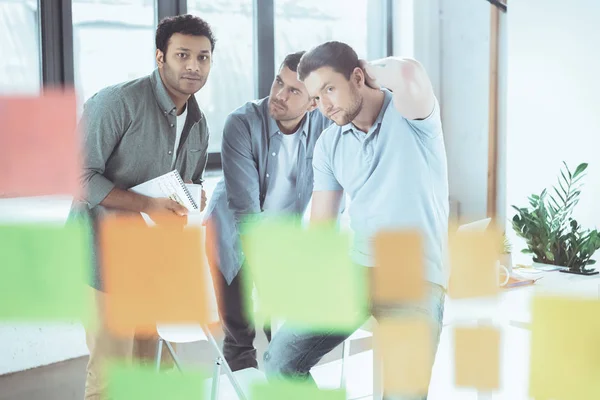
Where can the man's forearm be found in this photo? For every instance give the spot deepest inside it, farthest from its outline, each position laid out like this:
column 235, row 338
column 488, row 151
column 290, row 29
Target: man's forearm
column 125, row 200
column 388, row 71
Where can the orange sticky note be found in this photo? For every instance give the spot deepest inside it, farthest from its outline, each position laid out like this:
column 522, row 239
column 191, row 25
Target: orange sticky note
column 473, row 258
column 152, row 275
column 399, row 275
column 39, row 145
column 477, row 357
column 405, row 348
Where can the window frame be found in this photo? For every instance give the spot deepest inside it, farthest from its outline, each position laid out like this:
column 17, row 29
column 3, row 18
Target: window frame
column 56, row 38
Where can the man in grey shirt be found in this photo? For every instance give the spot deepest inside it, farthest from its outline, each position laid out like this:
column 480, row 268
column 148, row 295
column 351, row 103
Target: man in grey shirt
column 134, row 132
column 267, row 154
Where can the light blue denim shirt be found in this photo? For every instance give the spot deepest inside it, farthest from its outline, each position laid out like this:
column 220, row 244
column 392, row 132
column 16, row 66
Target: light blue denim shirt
column 251, row 142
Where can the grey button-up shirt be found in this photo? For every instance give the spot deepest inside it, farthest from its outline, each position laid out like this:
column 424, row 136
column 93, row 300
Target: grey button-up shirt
column 129, row 134
column 250, row 138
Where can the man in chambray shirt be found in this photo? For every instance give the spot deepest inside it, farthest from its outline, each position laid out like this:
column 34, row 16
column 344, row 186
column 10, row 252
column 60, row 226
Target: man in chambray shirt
column 386, row 150
column 267, row 155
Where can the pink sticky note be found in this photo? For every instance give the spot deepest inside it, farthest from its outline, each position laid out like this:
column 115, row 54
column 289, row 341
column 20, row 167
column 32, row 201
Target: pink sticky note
column 39, row 145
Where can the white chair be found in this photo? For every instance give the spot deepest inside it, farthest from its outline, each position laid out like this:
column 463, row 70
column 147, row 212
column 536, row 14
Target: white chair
column 240, row 380
column 190, row 333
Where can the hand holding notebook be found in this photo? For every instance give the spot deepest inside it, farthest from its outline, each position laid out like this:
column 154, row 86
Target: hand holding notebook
column 169, row 186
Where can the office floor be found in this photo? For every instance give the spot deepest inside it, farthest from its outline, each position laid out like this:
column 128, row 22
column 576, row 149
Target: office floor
column 65, row 380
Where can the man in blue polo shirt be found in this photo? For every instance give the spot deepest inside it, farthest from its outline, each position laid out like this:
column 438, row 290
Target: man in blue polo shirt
column 386, row 150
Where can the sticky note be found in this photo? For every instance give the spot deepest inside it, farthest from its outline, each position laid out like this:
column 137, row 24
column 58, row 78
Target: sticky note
column 39, row 145
column 565, row 351
column 44, row 272
column 405, row 348
column 473, row 259
column 143, row 383
column 399, row 273
column 477, row 357
column 290, row 390
column 304, row 276
column 152, row 275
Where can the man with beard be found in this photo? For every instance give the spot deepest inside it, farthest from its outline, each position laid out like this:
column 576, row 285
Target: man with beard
column 133, row 132
column 386, row 150
column 267, row 150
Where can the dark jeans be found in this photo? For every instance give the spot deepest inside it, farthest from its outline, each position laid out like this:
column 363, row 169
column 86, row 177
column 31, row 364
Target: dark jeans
column 234, row 311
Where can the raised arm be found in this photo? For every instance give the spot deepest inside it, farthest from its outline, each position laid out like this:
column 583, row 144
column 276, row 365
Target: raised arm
column 407, row 79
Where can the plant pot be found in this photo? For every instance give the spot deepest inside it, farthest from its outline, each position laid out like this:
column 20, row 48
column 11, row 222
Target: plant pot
column 588, row 272
column 548, row 267
column 566, row 270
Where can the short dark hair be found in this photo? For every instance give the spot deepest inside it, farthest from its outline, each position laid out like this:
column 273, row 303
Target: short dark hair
column 184, row 24
column 291, row 61
column 337, row 55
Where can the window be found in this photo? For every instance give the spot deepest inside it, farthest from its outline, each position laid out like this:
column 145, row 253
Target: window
column 20, row 70
column 303, row 24
column 231, row 80
column 113, row 42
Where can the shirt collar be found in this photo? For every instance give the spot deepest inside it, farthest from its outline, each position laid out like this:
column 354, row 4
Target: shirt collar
column 274, row 129
column 166, row 103
column 386, row 102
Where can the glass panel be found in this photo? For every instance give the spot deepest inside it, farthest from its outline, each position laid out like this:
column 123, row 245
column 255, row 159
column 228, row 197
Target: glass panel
column 20, row 45
column 113, row 42
column 231, row 80
column 303, row 24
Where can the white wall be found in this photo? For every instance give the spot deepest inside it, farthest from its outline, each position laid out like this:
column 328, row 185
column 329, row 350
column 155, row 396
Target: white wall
column 553, row 98
column 24, row 346
column 452, row 39
column 465, row 53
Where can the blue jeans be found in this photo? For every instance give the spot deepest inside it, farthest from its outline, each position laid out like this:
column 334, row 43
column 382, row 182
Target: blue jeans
column 293, row 351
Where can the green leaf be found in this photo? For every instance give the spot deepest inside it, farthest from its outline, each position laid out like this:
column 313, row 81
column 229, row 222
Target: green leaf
column 580, row 168
column 568, row 171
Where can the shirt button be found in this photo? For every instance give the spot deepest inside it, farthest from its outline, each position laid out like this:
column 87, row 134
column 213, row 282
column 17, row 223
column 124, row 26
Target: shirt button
column 172, row 125
column 267, row 175
column 170, row 152
column 273, row 154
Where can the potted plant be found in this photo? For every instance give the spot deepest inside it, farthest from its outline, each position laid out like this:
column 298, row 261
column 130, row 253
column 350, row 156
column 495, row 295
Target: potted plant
column 553, row 237
column 506, row 253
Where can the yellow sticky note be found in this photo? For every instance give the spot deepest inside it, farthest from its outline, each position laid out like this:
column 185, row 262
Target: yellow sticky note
column 405, row 348
column 565, row 349
column 473, row 258
column 477, row 357
column 399, row 275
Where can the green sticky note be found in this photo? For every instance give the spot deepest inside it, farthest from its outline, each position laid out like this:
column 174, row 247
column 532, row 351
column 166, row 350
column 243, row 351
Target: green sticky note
column 565, row 350
column 290, row 390
column 304, row 275
column 144, row 383
column 44, row 272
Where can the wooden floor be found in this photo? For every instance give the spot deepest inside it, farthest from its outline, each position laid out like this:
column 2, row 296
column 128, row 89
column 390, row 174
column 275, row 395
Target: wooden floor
column 66, row 380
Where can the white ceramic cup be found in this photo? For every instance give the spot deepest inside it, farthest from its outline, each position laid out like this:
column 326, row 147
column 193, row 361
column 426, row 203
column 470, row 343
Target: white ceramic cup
column 503, row 274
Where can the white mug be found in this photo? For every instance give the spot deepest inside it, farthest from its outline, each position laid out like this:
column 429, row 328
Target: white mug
column 503, row 274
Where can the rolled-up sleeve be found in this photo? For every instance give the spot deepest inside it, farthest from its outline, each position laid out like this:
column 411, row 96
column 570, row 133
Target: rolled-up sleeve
column 101, row 125
column 240, row 170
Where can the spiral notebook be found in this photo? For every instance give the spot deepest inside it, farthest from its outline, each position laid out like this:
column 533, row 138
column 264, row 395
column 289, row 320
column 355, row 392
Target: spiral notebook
column 169, row 185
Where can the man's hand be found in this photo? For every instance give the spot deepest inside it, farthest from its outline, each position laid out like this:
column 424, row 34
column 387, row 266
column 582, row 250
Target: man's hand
column 203, row 201
column 164, row 210
column 370, row 79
